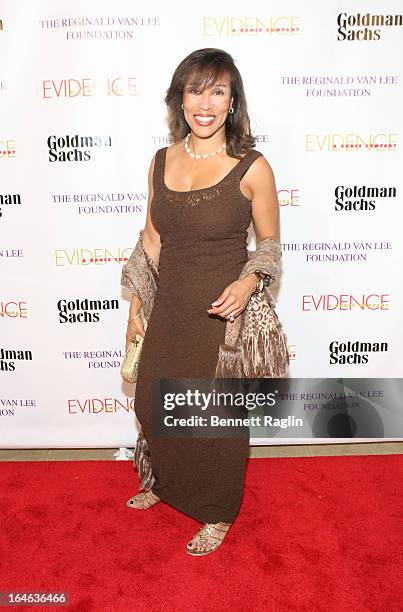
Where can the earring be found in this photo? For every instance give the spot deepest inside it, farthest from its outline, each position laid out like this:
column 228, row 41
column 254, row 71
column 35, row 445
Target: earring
column 182, row 105
column 231, row 110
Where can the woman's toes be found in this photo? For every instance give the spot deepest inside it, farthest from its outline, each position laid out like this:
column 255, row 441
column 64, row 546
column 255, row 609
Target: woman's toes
column 193, row 545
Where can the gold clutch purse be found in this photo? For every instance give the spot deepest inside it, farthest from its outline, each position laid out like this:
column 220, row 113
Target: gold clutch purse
column 131, row 360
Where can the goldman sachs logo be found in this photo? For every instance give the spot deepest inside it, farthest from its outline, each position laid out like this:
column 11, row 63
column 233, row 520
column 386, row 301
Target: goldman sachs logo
column 365, row 27
column 354, row 353
column 75, row 148
column 9, row 357
column 84, row 310
column 360, row 198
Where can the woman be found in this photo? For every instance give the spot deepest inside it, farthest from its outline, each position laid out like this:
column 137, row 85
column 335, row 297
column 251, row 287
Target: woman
column 204, row 190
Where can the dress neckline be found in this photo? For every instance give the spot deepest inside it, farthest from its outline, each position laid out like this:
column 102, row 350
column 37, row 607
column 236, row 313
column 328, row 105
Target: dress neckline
column 200, row 188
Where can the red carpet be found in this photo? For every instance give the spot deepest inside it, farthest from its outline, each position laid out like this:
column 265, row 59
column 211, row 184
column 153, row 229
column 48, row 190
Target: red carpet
column 313, row 534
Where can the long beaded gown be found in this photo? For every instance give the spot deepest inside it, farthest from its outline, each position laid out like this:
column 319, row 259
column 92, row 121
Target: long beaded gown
column 203, row 249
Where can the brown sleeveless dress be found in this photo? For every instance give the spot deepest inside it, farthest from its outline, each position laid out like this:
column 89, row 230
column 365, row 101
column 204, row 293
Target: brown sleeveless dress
column 203, row 249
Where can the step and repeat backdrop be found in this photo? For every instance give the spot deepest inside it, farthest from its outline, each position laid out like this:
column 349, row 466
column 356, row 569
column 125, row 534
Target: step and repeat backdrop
column 82, row 86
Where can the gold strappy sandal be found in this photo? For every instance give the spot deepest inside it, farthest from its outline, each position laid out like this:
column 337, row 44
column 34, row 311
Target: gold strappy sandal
column 144, row 500
column 198, row 545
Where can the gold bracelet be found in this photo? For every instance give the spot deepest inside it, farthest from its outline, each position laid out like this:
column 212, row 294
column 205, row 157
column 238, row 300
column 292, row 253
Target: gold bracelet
column 259, row 283
column 136, row 317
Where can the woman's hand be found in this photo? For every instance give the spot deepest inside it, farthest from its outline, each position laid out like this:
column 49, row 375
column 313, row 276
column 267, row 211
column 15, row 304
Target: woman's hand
column 235, row 297
column 134, row 327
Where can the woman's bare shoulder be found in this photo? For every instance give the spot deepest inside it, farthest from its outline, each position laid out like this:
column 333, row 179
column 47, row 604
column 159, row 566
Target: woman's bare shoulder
column 174, row 149
column 259, row 172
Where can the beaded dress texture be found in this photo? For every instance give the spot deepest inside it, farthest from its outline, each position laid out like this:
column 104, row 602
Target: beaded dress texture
column 203, row 249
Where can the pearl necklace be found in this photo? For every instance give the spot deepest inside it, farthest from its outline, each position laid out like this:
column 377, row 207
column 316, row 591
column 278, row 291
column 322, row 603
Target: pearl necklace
column 201, row 155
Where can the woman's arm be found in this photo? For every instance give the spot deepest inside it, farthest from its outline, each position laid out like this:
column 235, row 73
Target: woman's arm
column 152, row 246
column 265, row 207
column 261, row 184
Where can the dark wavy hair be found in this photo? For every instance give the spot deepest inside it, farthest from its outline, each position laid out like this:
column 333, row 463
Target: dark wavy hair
column 205, row 67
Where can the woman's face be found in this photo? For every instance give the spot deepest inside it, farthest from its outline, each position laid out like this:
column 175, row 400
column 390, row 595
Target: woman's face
column 206, row 111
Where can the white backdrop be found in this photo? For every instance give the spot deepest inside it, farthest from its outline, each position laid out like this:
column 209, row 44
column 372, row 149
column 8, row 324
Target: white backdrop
column 325, row 99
